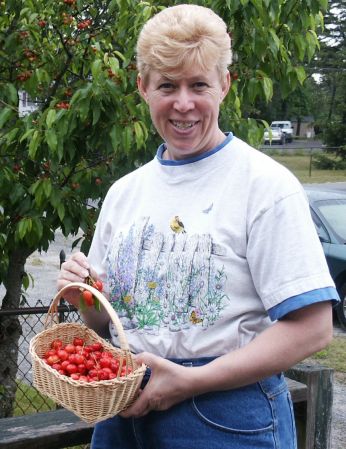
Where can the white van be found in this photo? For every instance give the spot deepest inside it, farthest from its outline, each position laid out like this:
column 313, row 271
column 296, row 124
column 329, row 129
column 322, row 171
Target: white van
column 285, row 126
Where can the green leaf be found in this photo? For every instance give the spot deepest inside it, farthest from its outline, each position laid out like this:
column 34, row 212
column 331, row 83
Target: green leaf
column 324, row 4
column 83, row 108
column 97, row 304
column 300, row 45
column 37, row 228
column 5, row 114
column 51, row 116
column 34, row 144
column 114, row 64
column 301, row 75
column 127, row 139
column 114, row 135
column 138, row 135
column 12, row 94
column 27, row 134
column 267, row 86
column 120, row 55
column 312, row 43
column 24, row 226
column 96, row 68
column 274, row 42
column 61, row 211
column 96, row 113
column 82, row 305
column 47, row 187
column 11, row 135
column 253, row 89
column 52, row 139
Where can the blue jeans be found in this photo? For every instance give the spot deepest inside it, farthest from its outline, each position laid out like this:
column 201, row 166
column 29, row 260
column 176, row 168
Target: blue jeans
column 257, row 416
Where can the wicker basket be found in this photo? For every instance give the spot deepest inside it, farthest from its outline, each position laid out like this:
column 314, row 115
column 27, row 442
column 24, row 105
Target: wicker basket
column 91, row 401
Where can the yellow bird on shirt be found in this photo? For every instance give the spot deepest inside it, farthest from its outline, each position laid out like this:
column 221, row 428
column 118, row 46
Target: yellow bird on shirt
column 177, row 225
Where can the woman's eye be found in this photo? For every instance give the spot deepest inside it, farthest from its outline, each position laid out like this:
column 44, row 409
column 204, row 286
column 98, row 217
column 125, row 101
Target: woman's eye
column 166, row 86
column 200, row 85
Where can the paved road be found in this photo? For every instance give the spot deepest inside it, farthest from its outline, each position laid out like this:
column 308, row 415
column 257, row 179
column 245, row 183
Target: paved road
column 301, row 144
column 332, row 186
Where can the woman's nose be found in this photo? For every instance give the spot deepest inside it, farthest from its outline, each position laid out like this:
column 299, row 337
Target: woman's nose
column 183, row 101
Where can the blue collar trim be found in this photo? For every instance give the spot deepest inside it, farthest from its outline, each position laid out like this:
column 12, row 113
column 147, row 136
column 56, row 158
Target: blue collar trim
column 162, row 148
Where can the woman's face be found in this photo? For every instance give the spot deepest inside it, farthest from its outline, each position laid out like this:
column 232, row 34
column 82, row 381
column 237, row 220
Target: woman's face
column 185, row 111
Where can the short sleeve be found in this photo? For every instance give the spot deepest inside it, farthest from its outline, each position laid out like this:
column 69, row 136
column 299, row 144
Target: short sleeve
column 285, row 255
column 305, row 299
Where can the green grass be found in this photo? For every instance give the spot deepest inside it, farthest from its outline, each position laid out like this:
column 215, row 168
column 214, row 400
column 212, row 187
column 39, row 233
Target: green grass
column 29, row 400
column 333, row 356
column 300, row 165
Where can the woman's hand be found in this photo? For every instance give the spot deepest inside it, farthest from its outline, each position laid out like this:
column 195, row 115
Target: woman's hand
column 167, row 386
column 75, row 269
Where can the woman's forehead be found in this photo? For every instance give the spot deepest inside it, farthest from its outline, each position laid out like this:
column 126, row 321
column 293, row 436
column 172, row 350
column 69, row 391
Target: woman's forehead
column 187, row 73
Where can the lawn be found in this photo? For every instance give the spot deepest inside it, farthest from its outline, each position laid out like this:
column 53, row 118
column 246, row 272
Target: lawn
column 333, row 356
column 29, row 400
column 301, row 166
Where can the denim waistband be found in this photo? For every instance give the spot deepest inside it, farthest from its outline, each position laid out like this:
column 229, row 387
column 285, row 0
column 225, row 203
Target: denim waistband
column 271, row 385
column 193, row 362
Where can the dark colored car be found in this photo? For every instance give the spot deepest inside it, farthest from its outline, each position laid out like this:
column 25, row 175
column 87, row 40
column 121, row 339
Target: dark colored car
column 328, row 210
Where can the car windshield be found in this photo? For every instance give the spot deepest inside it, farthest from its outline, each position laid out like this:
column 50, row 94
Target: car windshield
column 334, row 211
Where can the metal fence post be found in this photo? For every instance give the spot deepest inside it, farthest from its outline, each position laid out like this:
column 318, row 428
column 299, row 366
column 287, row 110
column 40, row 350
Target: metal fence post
column 62, row 258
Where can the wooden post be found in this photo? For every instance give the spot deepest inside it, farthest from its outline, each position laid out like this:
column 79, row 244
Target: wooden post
column 318, row 409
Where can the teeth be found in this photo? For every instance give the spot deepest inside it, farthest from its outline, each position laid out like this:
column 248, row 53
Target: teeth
column 183, row 125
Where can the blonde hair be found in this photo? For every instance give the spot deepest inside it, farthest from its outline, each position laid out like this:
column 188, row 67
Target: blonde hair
column 181, row 37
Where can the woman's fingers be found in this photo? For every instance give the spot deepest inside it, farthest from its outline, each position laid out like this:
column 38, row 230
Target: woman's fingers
column 75, row 269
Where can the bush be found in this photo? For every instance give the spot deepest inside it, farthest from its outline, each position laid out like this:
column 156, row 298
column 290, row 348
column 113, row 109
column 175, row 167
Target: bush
column 324, row 162
column 334, row 134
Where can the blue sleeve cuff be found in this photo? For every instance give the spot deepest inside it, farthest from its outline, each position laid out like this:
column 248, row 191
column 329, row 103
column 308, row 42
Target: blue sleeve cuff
column 303, row 300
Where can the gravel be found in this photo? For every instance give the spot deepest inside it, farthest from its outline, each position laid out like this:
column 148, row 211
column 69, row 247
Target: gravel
column 44, row 268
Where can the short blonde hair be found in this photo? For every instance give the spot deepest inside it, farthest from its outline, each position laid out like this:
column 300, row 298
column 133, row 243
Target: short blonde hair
column 181, row 37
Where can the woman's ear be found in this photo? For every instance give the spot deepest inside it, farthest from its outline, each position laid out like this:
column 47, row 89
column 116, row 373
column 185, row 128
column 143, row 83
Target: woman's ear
column 226, row 84
column 141, row 88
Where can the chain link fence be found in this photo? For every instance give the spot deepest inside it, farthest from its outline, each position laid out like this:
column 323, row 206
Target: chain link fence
column 28, row 400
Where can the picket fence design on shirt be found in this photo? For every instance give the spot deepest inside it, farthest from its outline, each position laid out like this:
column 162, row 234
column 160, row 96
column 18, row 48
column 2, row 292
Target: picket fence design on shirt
column 164, row 280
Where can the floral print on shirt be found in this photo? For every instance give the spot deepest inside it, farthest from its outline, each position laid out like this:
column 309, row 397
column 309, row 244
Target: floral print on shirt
column 164, row 280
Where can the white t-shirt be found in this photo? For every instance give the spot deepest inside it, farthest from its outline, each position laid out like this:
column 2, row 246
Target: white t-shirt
column 194, row 253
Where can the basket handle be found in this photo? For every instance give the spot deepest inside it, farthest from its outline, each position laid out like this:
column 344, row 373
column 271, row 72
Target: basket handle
column 104, row 301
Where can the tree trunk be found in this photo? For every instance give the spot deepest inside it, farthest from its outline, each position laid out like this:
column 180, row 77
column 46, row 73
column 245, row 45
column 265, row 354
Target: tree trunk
column 299, row 122
column 332, row 100
column 10, row 331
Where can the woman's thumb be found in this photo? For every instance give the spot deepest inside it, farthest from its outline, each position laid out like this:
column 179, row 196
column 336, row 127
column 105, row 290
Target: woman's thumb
column 147, row 358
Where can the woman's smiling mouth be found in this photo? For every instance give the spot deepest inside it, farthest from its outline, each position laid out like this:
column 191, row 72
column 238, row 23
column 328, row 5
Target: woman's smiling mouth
column 183, row 125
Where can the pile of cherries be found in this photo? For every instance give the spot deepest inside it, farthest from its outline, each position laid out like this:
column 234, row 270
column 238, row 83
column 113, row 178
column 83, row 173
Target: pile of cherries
column 85, row 362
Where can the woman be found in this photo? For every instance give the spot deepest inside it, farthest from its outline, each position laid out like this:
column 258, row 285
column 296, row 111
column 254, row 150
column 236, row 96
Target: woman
column 210, row 259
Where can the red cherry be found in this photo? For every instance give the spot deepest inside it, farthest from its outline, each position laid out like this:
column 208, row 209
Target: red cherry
column 64, row 364
column 97, row 346
column 71, row 349
column 49, row 353
column 82, row 368
column 52, row 359
column 105, row 362
column 88, row 298
column 78, row 341
column 71, row 368
column 62, row 354
column 79, row 359
column 57, row 366
column 90, row 364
